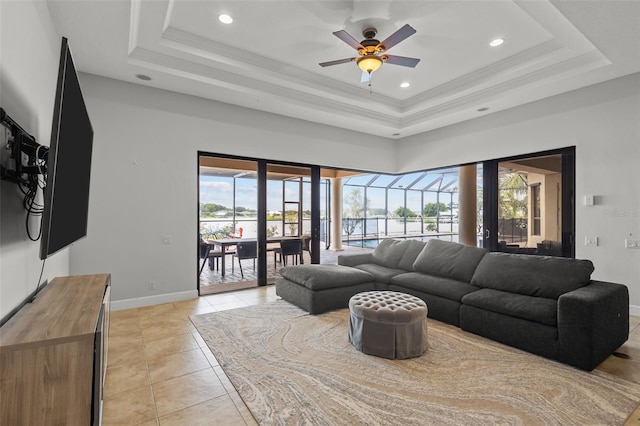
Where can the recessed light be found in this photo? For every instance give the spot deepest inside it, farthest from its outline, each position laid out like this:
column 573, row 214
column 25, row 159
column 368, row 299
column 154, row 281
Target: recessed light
column 143, row 77
column 225, row 19
column 405, row 84
column 483, row 109
column 496, row 42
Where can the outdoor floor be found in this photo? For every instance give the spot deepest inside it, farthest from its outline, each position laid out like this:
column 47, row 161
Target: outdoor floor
column 212, row 281
column 161, row 372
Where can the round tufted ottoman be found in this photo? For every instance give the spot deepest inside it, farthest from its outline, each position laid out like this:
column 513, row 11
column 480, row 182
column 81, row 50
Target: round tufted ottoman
column 388, row 324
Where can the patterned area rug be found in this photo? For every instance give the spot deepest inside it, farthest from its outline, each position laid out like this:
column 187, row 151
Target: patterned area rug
column 293, row 368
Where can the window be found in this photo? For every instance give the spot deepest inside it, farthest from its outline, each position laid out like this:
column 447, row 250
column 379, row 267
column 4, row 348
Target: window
column 535, row 199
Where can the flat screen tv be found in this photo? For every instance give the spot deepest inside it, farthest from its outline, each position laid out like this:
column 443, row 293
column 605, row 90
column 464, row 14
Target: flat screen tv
column 66, row 194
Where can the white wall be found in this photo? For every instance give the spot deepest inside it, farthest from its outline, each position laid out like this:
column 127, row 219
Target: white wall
column 144, row 178
column 603, row 122
column 29, row 54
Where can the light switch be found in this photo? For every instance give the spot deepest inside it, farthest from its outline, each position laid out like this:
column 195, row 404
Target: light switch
column 634, row 244
column 590, row 241
column 588, row 200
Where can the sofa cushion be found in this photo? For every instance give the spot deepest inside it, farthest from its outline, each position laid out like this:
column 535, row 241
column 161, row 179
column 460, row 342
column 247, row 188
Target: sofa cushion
column 414, row 248
column 537, row 309
column 430, row 284
column 532, row 275
column 321, row 277
column 450, row 260
column 353, row 259
column 380, row 273
column 389, row 252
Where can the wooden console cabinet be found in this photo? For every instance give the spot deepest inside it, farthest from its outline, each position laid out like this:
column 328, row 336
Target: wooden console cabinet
column 53, row 354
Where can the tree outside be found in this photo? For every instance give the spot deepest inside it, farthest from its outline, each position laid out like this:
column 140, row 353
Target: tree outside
column 213, row 209
column 210, row 209
column 405, row 212
column 291, row 218
column 513, row 196
column 354, row 204
column 352, row 210
column 432, row 209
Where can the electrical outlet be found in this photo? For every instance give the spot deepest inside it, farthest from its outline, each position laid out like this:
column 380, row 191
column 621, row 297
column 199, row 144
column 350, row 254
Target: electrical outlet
column 152, row 285
column 632, row 244
column 590, row 241
column 166, row 240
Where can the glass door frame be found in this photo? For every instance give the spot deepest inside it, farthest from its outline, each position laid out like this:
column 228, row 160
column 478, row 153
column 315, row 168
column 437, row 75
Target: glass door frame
column 262, row 171
column 262, row 214
column 490, row 198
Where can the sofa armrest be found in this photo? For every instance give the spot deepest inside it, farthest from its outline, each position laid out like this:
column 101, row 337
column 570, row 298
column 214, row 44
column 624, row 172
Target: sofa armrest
column 354, row 259
column 593, row 321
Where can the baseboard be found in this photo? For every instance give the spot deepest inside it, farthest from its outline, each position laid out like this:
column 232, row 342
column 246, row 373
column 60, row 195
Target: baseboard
column 634, row 310
column 139, row 302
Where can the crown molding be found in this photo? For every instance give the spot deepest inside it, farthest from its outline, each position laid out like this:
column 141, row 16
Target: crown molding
column 248, row 86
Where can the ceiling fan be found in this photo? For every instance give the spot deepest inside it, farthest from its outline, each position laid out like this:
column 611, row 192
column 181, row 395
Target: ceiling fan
column 371, row 52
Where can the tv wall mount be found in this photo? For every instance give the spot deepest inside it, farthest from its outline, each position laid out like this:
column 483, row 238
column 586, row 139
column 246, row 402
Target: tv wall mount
column 20, row 154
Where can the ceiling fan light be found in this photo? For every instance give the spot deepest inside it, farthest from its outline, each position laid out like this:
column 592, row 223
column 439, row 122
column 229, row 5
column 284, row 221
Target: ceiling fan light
column 369, row 63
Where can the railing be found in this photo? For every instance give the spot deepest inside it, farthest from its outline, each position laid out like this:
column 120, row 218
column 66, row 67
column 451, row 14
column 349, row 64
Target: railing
column 512, row 230
column 368, row 232
column 249, row 227
column 223, row 227
column 360, row 232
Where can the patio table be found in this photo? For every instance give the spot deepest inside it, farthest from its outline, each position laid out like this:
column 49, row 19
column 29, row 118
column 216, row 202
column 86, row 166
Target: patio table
column 223, row 243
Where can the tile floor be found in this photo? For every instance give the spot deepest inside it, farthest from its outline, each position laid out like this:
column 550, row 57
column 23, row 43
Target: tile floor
column 160, row 371
column 212, row 281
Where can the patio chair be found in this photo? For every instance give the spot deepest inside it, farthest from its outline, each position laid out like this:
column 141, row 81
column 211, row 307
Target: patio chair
column 289, row 248
column 207, row 253
column 549, row 248
column 245, row 251
column 306, row 243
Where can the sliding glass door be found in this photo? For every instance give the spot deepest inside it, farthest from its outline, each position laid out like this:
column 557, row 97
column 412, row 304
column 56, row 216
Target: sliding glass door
column 528, row 203
column 246, row 208
column 292, row 209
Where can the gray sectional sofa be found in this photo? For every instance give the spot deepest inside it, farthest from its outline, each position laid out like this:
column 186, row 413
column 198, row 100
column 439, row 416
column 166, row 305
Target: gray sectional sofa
column 548, row 306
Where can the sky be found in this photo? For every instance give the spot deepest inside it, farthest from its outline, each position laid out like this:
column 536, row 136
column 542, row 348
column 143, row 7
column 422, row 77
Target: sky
column 219, row 190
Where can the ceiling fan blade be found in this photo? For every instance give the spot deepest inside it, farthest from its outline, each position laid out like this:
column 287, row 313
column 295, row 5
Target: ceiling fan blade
column 397, row 37
column 365, row 77
column 401, row 60
column 346, row 37
column 336, row 62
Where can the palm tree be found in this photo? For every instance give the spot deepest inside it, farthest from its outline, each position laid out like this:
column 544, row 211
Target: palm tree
column 353, row 210
column 513, row 195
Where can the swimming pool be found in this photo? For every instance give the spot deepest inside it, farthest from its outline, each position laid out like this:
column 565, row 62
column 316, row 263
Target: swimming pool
column 374, row 242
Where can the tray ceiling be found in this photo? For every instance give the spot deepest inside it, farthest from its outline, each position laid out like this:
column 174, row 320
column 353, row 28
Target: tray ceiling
column 267, row 59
